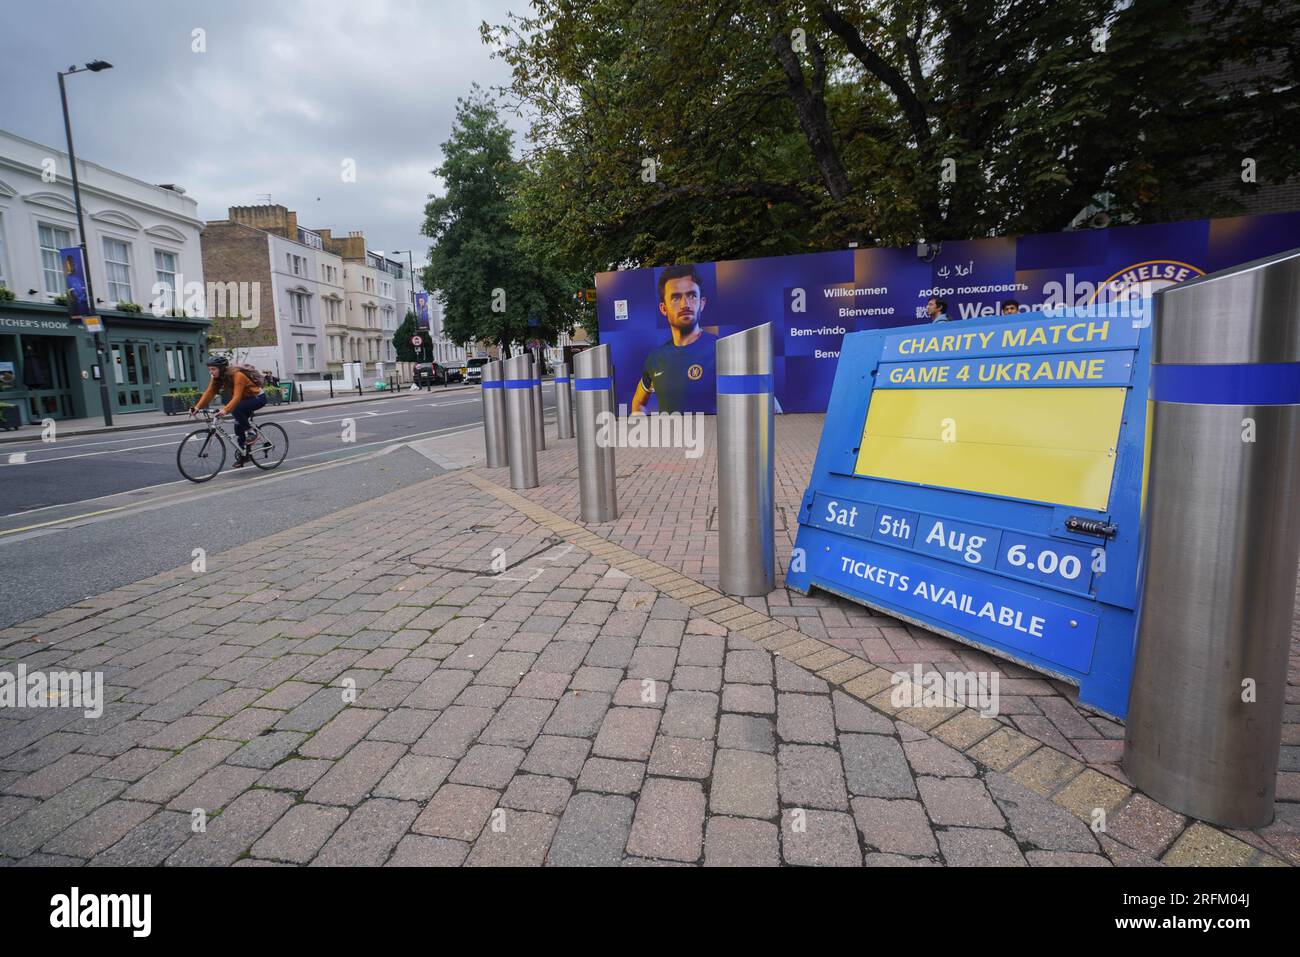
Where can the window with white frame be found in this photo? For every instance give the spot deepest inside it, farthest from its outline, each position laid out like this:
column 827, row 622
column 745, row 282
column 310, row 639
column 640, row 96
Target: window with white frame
column 311, row 355
column 117, row 266
column 298, row 350
column 164, row 267
column 370, row 316
column 298, row 308
column 52, row 239
column 4, row 280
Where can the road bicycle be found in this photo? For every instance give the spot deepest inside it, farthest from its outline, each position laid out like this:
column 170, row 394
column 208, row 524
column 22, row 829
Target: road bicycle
column 202, row 453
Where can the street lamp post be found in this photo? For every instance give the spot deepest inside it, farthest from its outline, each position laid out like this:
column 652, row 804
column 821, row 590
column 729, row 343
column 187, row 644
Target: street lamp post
column 94, row 66
column 411, row 266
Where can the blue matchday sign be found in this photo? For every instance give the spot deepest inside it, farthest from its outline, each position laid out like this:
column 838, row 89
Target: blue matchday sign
column 983, row 479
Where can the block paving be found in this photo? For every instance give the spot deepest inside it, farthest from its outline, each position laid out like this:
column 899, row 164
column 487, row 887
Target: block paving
column 368, row 690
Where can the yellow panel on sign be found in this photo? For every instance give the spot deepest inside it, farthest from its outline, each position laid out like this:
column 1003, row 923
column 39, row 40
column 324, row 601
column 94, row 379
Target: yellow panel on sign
column 1046, row 445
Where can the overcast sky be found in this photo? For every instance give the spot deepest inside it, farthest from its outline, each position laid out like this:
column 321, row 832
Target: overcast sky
column 286, row 91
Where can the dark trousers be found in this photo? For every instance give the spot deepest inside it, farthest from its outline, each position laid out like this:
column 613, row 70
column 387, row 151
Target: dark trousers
column 241, row 412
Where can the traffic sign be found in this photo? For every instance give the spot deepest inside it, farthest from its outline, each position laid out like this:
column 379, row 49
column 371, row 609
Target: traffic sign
column 416, row 341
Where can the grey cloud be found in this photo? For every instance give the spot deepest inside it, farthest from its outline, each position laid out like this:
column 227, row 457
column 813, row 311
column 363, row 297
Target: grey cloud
column 287, row 90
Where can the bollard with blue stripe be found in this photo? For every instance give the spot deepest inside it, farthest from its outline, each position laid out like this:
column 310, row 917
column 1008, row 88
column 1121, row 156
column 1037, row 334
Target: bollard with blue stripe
column 593, row 392
column 1222, row 543
column 563, row 403
column 538, row 409
column 521, row 424
column 494, row 416
column 746, row 466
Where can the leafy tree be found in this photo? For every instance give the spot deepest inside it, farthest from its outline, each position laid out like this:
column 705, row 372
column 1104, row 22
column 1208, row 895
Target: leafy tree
column 492, row 287
column 782, row 126
column 402, row 340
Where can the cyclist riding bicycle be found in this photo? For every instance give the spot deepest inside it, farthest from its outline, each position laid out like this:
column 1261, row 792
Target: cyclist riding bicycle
column 245, row 398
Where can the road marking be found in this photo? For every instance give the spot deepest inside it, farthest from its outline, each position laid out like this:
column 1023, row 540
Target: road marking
column 22, row 456
column 58, row 521
column 188, row 495
column 72, row 443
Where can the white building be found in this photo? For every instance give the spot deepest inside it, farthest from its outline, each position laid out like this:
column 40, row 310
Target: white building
column 137, row 235
column 445, row 352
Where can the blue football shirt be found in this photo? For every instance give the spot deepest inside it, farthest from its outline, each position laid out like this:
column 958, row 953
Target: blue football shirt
column 684, row 377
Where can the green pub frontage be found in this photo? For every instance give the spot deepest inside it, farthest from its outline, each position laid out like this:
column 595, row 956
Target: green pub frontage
column 48, row 363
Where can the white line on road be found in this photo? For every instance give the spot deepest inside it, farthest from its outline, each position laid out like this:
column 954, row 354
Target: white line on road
column 230, row 475
column 204, row 492
column 72, row 443
column 22, row 456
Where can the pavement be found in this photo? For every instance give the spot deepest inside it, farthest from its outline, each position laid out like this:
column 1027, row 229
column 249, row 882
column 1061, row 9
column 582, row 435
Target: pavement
column 497, row 683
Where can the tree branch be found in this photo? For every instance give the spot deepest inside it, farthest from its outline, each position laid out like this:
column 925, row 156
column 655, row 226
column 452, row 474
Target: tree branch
column 810, row 108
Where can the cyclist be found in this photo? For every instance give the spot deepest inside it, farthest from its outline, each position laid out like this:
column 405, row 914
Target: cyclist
column 245, row 398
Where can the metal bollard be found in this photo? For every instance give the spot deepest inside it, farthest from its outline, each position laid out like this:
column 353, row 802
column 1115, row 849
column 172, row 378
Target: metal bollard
column 521, row 435
column 1222, row 541
column 494, row 416
column 593, row 386
column 563, row 407
column 539, row 409
column 746, row 475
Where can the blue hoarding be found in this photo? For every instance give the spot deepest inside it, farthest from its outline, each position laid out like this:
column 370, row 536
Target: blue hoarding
column 815, row 300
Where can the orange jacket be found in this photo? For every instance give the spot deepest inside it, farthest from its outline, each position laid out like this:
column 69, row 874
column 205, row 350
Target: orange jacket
column 243, row 387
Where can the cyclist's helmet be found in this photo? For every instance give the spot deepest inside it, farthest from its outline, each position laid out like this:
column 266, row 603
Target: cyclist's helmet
column 219, row 361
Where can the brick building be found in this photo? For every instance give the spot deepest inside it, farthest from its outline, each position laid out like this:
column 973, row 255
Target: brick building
column 299, row 283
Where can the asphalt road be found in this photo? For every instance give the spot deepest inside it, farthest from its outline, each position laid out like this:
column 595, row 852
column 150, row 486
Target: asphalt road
column 84, row 515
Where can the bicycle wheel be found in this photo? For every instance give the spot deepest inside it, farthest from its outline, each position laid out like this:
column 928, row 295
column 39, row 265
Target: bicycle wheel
column 270, row 447
column 201, row 455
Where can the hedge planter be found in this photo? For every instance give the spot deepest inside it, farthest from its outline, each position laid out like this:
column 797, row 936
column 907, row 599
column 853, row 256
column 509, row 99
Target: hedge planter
column 9, row 418
column 172, row 404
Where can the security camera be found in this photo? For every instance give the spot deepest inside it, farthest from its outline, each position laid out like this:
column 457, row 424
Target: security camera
column 926, row 252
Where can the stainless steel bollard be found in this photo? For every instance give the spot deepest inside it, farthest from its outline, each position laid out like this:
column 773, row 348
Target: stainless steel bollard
column 563, row 405
column 520, row 423
column 494, row 416
column 593, row 390
column 1222, row 527
column 746, row 473
column 539, row 410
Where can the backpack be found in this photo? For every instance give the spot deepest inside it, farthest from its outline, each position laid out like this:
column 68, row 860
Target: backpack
column 254, row 376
